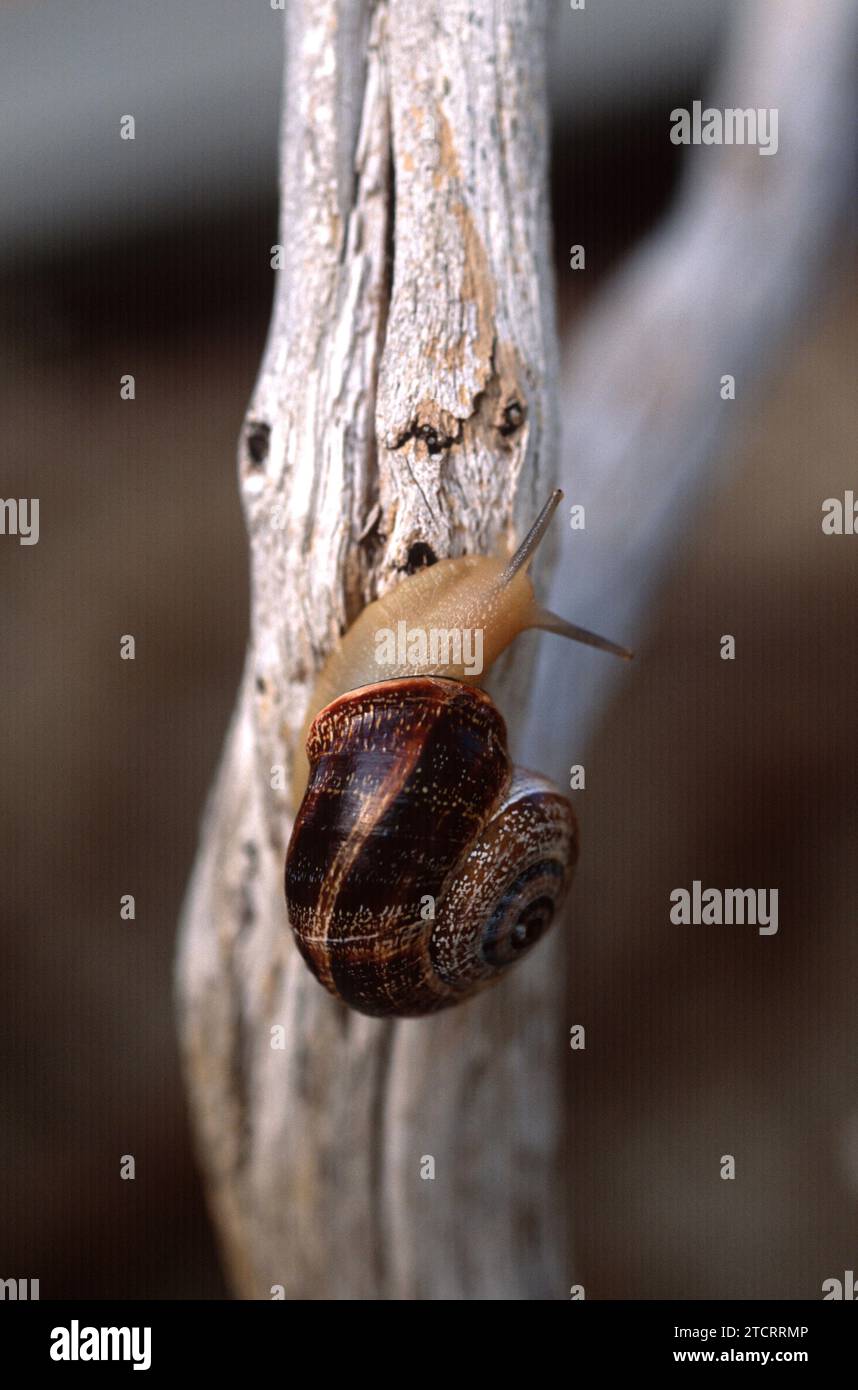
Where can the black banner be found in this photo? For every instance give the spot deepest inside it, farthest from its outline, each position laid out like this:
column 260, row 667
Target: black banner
column 161, row 1338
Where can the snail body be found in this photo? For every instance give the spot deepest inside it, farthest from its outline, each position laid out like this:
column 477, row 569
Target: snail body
column 422, row 863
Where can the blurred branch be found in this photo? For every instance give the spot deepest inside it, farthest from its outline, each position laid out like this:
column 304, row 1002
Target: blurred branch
column 377, row 425
column 717, row 289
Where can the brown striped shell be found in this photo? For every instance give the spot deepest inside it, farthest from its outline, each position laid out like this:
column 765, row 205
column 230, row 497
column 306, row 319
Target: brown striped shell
column 413, row 808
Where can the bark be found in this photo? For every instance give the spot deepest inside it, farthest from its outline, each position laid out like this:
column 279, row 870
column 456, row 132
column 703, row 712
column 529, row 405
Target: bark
column 413, row 307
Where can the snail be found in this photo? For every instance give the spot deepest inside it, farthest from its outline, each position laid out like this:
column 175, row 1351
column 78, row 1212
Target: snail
column 422, row 864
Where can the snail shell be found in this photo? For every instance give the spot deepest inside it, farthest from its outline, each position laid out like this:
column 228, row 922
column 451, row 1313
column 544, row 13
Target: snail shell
column 422, row 864
column 413, row 806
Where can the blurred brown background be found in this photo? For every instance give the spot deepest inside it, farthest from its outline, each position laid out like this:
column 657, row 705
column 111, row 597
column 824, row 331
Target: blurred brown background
column 698, row 1045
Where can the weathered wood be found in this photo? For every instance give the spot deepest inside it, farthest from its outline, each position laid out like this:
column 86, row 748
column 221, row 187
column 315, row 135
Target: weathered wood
column 417, row 132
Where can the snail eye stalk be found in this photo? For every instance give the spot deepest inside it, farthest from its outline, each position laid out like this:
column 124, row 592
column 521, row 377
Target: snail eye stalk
column 544, row 618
